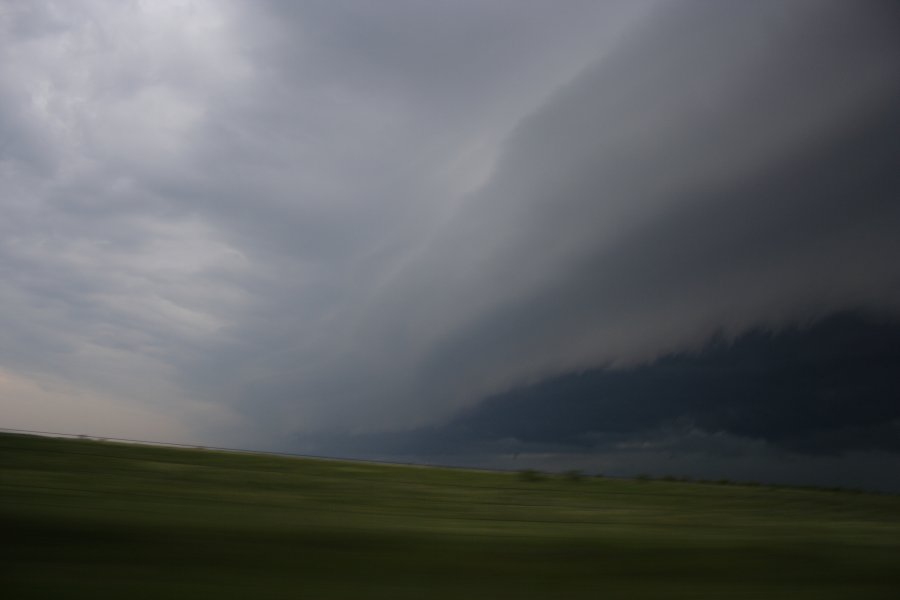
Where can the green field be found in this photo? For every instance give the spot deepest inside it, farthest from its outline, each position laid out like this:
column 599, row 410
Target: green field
column 85, row 519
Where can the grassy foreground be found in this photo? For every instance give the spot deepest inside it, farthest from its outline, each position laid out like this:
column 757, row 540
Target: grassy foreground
column 84, row 519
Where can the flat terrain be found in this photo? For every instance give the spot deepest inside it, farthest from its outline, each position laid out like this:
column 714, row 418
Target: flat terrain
column 84, row 519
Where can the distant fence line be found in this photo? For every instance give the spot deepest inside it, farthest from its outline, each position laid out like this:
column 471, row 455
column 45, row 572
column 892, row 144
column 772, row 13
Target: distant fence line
column 104, row 438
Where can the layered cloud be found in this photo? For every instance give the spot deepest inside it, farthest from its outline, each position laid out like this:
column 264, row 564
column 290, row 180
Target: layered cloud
column 268, row 219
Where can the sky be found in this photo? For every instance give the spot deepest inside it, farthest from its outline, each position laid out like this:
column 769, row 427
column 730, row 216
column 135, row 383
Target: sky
column 622, row 236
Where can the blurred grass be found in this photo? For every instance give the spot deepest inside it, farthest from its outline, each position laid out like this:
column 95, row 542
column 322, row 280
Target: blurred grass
column 87, row 519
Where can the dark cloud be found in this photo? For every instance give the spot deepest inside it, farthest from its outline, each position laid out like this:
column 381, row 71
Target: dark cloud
column 828, row 387
column 265, row 219
column 824, row 391
column 692, row 179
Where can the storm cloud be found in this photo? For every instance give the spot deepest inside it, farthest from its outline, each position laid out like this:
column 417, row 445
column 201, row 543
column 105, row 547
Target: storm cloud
column 799, row 389
column 778, row 401
column 300, row 225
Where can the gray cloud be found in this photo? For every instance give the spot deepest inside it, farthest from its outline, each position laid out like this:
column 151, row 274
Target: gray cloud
column 799, row 390
column 267, row 218
column 668, row 192
column 813, row 404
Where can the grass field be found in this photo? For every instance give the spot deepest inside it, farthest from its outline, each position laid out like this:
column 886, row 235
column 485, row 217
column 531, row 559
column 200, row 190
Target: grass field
column 85, row 519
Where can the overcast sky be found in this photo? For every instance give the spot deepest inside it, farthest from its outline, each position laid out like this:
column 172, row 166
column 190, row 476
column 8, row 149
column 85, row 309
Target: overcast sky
column 281, row 224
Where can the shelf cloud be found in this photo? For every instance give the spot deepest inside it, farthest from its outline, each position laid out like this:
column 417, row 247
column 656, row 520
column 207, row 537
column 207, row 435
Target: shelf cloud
column 292, row 225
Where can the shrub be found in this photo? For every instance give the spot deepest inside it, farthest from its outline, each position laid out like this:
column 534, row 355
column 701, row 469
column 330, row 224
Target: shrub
column 530, row 475
column 573, row 475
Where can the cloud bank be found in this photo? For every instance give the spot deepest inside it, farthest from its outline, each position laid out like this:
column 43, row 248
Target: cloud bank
column 270, row 220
